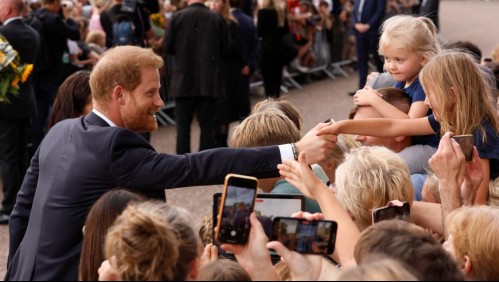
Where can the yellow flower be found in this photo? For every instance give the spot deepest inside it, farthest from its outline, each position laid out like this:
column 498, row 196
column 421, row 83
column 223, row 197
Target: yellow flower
column 27, row 71
column 15, row 82
column 2, row 58
column 14, row 66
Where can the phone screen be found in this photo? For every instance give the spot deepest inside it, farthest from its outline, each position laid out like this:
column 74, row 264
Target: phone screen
column 237, row 204
column 391, row 212
column 307, row 237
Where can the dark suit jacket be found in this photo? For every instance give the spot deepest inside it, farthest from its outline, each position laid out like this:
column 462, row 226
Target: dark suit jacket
column 373, row 12
column 26, row 42
column 196, row 39
column 248, row 37
column 78, row 161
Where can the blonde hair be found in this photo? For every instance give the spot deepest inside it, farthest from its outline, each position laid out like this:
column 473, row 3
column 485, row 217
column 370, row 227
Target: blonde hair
column 265, row 128
column 378, row 268
column 223, row 270
column 414, row 34
column 97, row 37
column 226, row 14
column 121, row 65
column 279, row 7
column 152, row 241
column 283, row 105
column 494, row 192
column 495, row 54
column 344, row 144
column 475, row 230
column 369, row 178
column 459, row 71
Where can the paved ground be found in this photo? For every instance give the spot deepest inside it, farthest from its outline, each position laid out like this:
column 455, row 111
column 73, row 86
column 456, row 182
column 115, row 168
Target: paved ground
column 472, row 20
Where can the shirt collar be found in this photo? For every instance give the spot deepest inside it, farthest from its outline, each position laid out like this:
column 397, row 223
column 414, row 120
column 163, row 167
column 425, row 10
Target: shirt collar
column 12, row 19
column 102, row 116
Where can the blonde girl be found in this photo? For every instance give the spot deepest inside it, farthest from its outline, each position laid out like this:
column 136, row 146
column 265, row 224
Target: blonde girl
column 458, row 94
column 407, row 43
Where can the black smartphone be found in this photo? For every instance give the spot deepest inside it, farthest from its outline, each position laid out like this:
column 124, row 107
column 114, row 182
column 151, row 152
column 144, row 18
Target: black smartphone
column 238, row 202
column 303, row 236
column 466, row 142
column 390, row 212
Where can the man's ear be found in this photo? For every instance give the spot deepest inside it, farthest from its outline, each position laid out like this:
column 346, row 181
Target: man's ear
column 118, row 94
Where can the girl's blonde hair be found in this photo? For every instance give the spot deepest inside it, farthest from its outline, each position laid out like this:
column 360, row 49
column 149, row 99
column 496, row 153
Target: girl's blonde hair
column 457, row 70
column 279, row 6
column 369, row 178
column 152, row 241
column 474, row 230
column 414, row 34
column 283, row 105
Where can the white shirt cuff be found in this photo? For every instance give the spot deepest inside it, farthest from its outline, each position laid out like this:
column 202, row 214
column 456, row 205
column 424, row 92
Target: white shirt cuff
column 286, row 152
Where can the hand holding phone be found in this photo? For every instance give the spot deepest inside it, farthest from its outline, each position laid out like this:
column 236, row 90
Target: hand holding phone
column 466, row 142
column 303, row 236
column 238, row 201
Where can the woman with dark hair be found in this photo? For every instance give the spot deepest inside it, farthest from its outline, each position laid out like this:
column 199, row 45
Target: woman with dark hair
column 73, row 99
column 100, row 217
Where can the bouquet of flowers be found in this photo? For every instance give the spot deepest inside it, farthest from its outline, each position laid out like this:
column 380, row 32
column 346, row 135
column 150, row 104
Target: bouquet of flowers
column 11, row 71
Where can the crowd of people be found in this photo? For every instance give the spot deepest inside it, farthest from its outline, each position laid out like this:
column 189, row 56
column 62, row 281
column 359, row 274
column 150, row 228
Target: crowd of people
column 91, row 204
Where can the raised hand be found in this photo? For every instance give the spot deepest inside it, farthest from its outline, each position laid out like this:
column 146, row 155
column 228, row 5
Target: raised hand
column 367, row 96
column 301, row 176
column 318, row 147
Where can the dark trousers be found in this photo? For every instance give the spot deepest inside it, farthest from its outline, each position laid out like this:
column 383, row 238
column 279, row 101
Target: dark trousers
column 365, row 45
column 13, row 158
column 185, row 108
column 272, row 76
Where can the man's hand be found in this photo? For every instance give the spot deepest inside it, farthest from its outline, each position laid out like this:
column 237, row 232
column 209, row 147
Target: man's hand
column 362, row 28
column 317, row 147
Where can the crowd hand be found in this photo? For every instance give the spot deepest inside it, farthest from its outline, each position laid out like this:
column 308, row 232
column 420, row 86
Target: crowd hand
column 362, row 28
column 302, row 267
column 366, row 96
column 301, row 176
column 210, row 254
column 448, row 164
column 472, row 179
column 317, row 147
column 108, row 270
column 245, row 70
column 254, row 257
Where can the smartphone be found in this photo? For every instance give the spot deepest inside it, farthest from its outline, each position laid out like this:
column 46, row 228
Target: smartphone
column 306, row 237
column 390, row 212
column 238, row 202
column 466, row 142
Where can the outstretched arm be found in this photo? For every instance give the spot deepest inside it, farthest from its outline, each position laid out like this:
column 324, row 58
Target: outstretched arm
column 380, row 127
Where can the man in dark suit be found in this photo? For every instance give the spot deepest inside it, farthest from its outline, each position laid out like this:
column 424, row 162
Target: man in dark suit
column 53, row 61
column 80, row 159
column 15, row 117
column 196, row 40
column 367, row 16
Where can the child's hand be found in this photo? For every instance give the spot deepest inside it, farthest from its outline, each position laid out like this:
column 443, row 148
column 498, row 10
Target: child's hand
column 301, row 176
column 366, row 97
column 108, row 270
column 472, row 179
column 210, row 253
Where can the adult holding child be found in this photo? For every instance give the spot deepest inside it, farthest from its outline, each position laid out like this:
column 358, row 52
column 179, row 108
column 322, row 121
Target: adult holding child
column 407, row 43
column 459, row 100
column 81, row 158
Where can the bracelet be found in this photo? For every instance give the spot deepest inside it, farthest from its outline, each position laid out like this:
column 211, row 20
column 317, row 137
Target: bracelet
column 296, row 153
